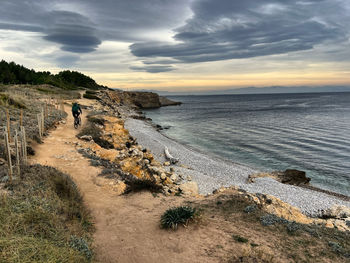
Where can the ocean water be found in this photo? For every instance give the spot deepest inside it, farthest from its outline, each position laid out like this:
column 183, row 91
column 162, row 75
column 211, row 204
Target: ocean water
column 309, row 132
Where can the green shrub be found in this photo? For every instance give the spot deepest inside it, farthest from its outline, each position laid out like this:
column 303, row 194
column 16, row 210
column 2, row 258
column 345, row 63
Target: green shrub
column 94, row 119
column 181, row 215
column 90, row 96
column 91, row 92
column 80, row 244
column 138, row 185
column 240, row 239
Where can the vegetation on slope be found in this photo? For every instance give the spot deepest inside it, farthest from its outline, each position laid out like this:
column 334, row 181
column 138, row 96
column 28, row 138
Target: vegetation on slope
column 12, row 73
column 249, row 234
column 43, row 219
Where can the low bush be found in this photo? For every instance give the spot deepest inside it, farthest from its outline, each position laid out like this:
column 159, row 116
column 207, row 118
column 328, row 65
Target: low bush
column 138, row 185
column 181, row 215
column 6, row 100
column 90, row 96
column 240, row 239
column 93, row 92
column 91, row 130
column 96, row 120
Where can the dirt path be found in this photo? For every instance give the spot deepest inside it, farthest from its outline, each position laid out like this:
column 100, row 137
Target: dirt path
column 127, row 227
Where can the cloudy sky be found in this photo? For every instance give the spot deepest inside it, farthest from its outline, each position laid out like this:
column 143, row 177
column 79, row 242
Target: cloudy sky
column 182, row 44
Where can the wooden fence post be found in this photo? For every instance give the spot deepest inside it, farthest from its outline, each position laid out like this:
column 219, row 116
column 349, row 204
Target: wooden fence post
column 8, row 125
column 42, row 121
column 23, row 145
column 8, row 151
column 21, row 118
column 17, row 154
column 62, row 105
column 39, row 124
column 46, row 110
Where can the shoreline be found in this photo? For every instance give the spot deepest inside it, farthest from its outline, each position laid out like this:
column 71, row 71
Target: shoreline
column 222, row 159
column 212, row 172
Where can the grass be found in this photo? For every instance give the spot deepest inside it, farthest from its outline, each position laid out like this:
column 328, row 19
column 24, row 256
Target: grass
column 40, row 217
column 286, row 240
column 176, row 216
column 55, row 91
column 28, row 99
column 7, row 100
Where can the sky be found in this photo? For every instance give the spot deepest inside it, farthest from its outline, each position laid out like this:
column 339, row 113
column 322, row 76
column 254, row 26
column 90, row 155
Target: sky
column 182, row 45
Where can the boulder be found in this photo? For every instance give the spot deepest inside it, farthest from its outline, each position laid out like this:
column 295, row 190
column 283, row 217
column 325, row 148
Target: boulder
column 289, row 176
column 163, row 176
column 86, row 138
column 173, row 177
column 189, row 188
column 337, row 211
column 166, row 163
column 294, row 177
column 155, row 170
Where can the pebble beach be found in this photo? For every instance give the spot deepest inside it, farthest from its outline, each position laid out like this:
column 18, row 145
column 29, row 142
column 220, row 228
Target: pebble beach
column 211, row 172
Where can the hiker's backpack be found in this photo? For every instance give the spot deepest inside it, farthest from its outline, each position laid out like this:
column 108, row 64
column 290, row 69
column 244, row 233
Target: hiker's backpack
column 75, row 107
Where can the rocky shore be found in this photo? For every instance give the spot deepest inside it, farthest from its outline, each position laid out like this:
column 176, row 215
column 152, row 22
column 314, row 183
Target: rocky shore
column 211, row 172
column 199, row 173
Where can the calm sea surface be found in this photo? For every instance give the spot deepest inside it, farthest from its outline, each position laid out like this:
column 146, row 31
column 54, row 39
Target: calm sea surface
column 309, row 132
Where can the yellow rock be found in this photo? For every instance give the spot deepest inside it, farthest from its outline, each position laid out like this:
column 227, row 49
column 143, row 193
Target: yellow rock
column 119, row 188
column 286, row 211
column 341, row 225
column 329, row 224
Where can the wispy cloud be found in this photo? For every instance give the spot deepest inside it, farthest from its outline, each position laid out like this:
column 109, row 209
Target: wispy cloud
column 153, row 69
column 243, row 29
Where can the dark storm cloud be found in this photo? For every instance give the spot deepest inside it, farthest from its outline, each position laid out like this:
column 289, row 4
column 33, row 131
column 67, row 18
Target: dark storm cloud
column 74, row 31
column 80, row 26
column 217, row 29
column 153, row 69
column 19, row 27
column 227, row 29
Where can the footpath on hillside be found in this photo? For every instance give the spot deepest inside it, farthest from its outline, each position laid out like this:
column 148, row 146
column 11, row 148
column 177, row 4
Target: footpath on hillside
column 127, row 227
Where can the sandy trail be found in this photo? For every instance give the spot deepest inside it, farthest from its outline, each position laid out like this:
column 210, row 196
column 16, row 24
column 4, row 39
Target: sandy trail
column 127, row 227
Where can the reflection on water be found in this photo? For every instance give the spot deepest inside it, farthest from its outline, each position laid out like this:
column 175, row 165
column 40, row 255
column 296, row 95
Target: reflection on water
column 310, row 132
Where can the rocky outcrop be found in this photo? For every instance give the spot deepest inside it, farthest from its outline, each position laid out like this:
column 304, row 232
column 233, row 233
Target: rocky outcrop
column 166, row 102
column 143, row 100
column 129, row 166
column 336, row 217
column 289, row 176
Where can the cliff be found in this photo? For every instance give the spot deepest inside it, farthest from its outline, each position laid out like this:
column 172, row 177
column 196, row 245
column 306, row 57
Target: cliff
column 142, row 100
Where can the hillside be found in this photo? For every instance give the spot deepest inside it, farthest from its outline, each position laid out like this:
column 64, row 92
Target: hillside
column 12, row 73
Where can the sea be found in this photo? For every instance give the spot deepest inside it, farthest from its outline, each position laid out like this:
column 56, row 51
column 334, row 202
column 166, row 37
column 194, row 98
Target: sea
column 269, row 132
